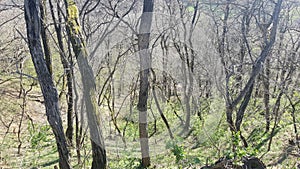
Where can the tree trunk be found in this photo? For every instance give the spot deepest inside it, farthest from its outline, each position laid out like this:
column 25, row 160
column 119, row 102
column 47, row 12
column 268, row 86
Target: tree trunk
column 49, row 91
column 145, row 63
column 89, row 87
column 44, row 36
column 163, row 117
column 67, row 65
column 266, row 82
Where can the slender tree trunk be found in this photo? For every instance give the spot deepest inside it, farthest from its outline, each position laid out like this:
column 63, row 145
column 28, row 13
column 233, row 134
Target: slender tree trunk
column 67, row 65
column 70, row 128
column 145, row 64
column 78, row 126
column 266, row 83
column 158, row 107
column 186, row 95
column 166, row 82
column 44, row 35
column 49, row 91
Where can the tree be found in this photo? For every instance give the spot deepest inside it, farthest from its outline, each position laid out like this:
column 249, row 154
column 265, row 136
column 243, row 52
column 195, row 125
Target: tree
column 89, row 86
column 67, row 63
column 49, row 91
column 187, row 55
column 241, row 101
column 145, row 63
column 234, row 63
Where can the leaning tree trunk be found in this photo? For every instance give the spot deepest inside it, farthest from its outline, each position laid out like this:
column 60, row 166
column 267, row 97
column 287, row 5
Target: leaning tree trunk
column 145, row 63
column 247, row 90
column 89, row 86
column 243, row 98
column 32, row 18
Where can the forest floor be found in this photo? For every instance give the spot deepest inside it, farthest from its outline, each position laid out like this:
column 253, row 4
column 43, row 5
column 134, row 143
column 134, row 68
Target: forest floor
column 37, row 147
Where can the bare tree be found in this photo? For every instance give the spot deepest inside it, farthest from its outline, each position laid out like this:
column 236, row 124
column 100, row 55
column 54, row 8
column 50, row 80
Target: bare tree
column 237, row 99
column 49, row 91
column 145, row 63
column 67, row 62
column 89, row 86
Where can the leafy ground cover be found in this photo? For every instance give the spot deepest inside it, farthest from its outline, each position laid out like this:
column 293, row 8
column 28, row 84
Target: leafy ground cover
column 209, row 140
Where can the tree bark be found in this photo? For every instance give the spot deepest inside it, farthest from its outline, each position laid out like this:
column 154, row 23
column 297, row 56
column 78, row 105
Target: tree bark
column 145, row 63
column 89, row 87
column 44, row 36
column 266, row 82
column 49, row 91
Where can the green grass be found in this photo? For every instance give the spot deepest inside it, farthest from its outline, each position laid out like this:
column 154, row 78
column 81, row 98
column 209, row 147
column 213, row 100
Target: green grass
column 210, row 138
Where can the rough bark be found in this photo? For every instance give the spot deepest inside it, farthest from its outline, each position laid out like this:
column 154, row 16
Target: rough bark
column 44, row 36
column 49, row 91
column 89, row 88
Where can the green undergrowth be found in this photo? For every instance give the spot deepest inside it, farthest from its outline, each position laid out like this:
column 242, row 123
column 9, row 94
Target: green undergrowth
column 209, row 139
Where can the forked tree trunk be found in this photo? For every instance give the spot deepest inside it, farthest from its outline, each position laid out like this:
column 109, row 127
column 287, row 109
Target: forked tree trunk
column 246, row 92
column 67, row 65
column 32, row 18
column 145, row 63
